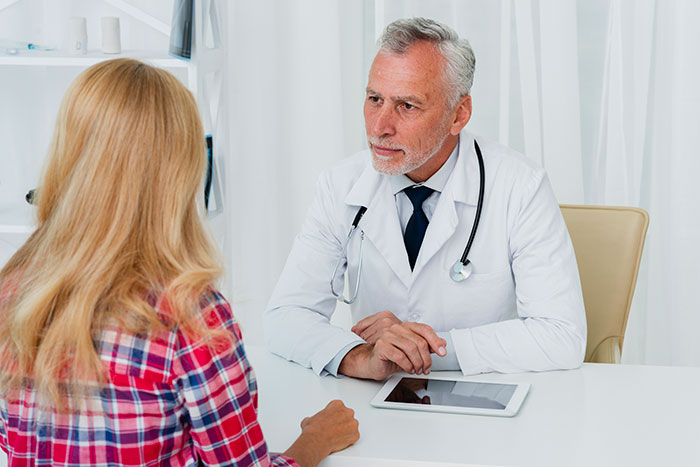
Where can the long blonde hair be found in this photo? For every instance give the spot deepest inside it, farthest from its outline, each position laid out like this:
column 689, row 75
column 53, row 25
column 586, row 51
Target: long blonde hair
column 118, row 219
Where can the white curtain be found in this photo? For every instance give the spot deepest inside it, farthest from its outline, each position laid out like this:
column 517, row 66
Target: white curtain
column 603, row 93
column 296, row 92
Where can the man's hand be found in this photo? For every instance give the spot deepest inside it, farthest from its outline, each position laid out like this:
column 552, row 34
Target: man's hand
column 403, row 346
column 372, row 327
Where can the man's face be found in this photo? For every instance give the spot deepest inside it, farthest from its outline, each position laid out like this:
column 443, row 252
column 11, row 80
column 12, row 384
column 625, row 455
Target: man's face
column 406, row 115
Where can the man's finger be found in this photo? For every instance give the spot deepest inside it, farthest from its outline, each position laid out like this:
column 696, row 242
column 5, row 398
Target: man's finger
column 421, row 345
column 367, row 322
column 412, row 352
column 391, row 342
column 370, row 335
column 437, row 344
column 372, row 330
column 363, row 324
column 388, row 351
column 377, row 329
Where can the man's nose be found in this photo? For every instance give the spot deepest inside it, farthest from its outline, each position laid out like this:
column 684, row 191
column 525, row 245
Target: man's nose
column 384, row 124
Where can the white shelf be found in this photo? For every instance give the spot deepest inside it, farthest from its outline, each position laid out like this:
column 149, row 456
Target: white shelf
column 17, row 219
column 20, row 219
column 61, row 58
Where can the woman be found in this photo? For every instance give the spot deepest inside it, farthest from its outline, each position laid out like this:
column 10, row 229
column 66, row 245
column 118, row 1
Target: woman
column 115, row 347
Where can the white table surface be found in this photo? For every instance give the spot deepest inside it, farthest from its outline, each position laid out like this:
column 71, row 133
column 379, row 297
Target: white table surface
column 599, row 415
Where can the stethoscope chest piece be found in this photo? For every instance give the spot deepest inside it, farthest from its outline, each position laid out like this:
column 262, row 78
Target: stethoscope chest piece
column 460, row 271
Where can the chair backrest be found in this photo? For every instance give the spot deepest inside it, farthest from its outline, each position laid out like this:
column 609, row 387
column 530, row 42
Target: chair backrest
column 608, row 242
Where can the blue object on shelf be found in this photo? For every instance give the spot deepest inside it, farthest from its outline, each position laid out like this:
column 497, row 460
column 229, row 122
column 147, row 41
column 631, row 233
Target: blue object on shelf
column 210, row 170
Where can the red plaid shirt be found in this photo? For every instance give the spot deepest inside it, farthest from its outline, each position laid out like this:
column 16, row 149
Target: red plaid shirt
column 168, row 401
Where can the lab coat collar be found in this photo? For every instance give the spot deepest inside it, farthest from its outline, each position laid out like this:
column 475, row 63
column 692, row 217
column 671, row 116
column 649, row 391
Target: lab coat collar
column 463, row 185
column 366, row 186
column 381, row 222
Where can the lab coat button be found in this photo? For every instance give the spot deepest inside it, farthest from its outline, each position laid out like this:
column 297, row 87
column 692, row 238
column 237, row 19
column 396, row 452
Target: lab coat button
column 414, row 317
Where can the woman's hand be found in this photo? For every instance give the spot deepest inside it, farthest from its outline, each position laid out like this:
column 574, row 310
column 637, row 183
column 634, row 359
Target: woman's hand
column 332, row 429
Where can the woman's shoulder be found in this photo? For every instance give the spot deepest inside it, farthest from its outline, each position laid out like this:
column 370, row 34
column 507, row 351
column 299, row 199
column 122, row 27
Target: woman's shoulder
column 134, row 354
column 212, row 311
column 215, row 312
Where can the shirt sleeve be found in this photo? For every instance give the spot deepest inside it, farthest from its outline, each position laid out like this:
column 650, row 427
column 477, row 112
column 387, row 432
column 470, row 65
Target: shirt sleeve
column 220, row 394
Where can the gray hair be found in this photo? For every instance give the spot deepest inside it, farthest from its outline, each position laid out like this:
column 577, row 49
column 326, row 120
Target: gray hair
column 458, row 54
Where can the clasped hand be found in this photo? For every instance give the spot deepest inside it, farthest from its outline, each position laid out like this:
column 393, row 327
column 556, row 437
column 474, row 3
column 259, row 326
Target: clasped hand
column 393, row 345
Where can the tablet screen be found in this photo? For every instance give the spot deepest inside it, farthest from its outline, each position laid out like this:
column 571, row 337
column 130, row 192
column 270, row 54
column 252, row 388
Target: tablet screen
column 452, row 393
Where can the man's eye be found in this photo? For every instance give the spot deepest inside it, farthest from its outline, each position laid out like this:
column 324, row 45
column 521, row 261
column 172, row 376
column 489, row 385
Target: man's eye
column 408, row 106
column 373, row 99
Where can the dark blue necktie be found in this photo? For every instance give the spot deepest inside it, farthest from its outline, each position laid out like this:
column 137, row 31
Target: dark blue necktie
column 415, row 229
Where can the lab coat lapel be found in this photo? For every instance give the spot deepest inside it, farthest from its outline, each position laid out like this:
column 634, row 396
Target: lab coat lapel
column 461, row 187
column 381, row 221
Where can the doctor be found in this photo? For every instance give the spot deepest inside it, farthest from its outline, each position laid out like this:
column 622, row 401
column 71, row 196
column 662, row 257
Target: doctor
column 407, row 208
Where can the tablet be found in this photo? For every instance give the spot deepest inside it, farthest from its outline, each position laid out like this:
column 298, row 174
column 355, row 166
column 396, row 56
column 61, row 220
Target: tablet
column 435, row 393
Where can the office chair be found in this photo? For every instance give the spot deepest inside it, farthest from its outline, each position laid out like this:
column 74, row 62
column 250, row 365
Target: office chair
column 608, row 242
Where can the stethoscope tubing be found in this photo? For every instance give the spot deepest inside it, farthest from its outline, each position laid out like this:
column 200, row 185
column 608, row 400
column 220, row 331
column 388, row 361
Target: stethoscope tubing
column 355, row 223
column 479, row 204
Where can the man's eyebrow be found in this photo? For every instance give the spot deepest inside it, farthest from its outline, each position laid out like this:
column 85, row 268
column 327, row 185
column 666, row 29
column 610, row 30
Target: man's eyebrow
column 415, row 99
column 409, row 98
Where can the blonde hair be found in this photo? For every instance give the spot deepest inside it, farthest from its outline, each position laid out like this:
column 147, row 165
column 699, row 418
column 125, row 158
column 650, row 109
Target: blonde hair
column 118, row 211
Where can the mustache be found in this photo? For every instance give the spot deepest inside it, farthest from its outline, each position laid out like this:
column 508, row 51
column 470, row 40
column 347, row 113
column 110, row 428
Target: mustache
column 384, row 143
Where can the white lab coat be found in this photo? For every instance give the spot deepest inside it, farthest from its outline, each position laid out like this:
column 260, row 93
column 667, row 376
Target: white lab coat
column 521, row 309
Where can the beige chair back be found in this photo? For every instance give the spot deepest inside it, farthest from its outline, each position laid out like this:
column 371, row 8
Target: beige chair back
column 608, row 242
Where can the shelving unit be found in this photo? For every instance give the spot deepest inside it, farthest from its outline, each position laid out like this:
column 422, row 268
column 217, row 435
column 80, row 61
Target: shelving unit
column 60, row 59
column 204, row 74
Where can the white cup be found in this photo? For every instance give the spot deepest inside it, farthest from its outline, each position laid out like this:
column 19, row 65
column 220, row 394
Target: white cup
column 111, row 36
column 77, row 35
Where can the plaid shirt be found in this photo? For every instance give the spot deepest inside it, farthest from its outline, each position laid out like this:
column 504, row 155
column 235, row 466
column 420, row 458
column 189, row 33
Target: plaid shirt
column 168, row 401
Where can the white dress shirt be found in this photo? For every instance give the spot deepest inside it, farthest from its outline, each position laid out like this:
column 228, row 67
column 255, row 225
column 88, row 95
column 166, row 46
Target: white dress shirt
column 437, row 183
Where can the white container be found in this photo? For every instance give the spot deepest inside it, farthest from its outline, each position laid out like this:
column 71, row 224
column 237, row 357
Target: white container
column 111, row 35
column 77, row 36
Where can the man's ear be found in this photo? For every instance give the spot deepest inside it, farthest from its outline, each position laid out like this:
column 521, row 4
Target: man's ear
column 462, row 112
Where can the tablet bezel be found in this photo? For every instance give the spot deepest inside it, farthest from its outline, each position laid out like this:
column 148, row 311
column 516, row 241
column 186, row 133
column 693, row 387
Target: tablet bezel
column 511, row 409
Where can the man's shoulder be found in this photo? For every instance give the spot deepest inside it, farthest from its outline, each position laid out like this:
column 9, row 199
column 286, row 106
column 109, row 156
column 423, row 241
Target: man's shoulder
column 500, row 154
column 508, row 165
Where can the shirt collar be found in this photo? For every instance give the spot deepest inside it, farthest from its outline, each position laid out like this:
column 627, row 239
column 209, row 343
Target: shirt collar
column 438, row 180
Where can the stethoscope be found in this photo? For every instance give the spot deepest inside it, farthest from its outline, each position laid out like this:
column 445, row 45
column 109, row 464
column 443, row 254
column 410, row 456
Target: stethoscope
column 459, row 271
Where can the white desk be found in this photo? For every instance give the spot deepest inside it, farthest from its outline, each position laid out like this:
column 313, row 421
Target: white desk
column 599, row 415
